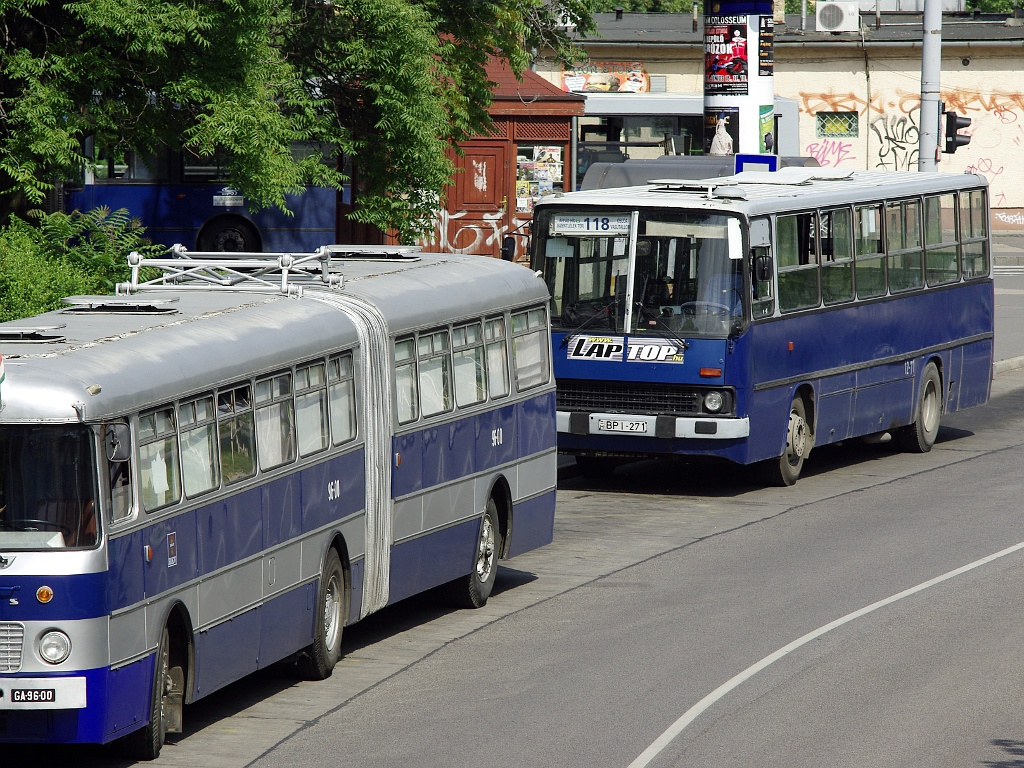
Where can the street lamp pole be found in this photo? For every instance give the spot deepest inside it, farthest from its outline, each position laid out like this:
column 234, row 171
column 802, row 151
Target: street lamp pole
column 931, row 69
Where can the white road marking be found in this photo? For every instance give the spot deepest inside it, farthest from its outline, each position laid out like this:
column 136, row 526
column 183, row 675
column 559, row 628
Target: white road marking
column 704, row 704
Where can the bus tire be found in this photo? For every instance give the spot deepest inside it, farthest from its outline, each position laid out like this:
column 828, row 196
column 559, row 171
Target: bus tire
column 145, row 743
column 472, row 591
column 785, row 470
column 230, row 235
column 919, row 436
column 316, row 661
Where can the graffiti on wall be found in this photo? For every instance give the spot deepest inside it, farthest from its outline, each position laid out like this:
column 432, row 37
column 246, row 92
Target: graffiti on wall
column 893, row 120
column 898, row 141
column 478, row 235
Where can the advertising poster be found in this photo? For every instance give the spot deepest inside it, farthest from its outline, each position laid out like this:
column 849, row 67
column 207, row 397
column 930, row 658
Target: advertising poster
column 538, row 174
column 767, row 127
column 721, row 130
column 765, row 46
column 606, row 77
column 725, row 55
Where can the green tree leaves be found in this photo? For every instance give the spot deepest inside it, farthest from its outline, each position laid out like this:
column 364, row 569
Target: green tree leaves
column 389, row 84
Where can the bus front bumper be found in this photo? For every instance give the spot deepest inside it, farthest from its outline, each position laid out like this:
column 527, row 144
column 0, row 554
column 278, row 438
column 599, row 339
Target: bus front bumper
column 582, row 423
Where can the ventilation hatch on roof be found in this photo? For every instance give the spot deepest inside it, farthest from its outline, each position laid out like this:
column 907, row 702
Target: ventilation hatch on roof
column 132, row 305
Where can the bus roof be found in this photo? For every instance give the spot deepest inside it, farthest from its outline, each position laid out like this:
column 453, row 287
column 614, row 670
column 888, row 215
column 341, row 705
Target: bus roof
column 111, row 355
column 754, row 192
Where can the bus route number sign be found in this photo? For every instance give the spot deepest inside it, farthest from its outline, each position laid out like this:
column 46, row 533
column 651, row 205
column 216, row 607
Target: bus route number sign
column 590, row 224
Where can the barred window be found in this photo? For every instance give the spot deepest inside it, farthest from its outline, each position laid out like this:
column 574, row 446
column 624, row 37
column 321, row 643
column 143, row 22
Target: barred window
column 836, row 125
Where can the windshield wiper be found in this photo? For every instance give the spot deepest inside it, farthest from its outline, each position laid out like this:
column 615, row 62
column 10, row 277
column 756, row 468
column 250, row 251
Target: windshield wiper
column 601, row 312
column 659, row 321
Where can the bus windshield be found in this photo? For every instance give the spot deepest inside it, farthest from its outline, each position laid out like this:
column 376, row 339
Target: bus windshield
column 47, row 487
column 685, row 274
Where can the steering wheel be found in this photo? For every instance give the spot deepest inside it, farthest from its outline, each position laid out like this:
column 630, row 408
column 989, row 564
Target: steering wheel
column 710, row 307
column 29, row 524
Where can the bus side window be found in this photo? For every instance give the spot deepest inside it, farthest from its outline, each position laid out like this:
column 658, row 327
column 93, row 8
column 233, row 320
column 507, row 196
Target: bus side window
column 973, row 233
column 405, row 380
column 200, row 468
column 311, row 408
column 837, row 256
column 798, row 261
column 159, row 480
column 869, row 266
column 470, row 380
column 118, row 451
column 497, row 358
column 275, row 421
column 530, row 348
column 237, row 437
column 342, row 395
column 435, row 380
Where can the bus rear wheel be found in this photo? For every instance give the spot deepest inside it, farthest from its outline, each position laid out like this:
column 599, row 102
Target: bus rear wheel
column 231, row 235
column 785, row 470
column 317, row 661
column 919, row 437
column 472, row 591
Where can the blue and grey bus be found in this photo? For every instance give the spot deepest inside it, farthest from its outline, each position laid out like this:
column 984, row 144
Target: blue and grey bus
column 223, row 465
column 754, row 316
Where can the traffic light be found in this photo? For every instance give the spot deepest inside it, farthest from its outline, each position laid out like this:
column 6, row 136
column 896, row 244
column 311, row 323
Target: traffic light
column 953, row 139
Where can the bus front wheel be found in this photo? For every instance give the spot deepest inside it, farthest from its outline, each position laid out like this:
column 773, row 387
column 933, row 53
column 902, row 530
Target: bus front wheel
column 473, row 590
column 164, row 706
column 919, row 437
column 317, row 661
column 785, row 470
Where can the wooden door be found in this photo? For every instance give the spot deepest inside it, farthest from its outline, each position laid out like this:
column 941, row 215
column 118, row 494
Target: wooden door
column 478, row 210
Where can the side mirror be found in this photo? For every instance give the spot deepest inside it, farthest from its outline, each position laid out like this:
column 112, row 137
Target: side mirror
column 508, row 248
column 762, row 266
column 117, row 441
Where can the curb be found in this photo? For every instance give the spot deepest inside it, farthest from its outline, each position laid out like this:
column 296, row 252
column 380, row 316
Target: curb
column 1010, row 364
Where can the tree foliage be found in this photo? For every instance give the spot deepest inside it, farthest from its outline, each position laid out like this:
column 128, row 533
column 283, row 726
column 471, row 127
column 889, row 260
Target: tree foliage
column 387, row 84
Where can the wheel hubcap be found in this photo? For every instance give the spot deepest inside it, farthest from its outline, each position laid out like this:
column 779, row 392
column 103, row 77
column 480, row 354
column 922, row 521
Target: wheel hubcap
column 796, row 439
column 332, row 611
column 485, row 552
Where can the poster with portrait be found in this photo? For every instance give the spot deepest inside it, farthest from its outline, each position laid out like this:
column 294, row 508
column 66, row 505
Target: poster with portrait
column 721, row 130
column 726, row 64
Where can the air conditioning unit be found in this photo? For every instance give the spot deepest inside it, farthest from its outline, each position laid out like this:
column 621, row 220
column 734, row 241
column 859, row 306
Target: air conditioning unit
column 838, row 17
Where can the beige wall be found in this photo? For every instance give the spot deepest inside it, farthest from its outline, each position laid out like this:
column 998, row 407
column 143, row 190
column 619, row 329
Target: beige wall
column 989, row 89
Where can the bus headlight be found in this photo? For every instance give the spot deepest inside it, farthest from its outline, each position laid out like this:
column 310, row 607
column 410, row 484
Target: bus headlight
column 713, row 402
column 54, row 647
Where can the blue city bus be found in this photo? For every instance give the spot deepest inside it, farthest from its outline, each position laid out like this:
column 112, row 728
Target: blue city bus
column 181, row 198
column 222, row 466
column 754, row 316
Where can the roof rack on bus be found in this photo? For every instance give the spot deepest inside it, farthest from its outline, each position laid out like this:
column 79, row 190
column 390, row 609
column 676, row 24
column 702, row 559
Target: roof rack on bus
column 732, row 187
column 278, row 272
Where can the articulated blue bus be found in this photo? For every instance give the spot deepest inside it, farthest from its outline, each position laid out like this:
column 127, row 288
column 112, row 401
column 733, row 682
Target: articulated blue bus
column 755, row 316
column 183, row 199
column 223, row 466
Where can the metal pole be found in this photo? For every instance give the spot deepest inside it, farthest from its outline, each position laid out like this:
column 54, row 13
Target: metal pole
column 931, row 68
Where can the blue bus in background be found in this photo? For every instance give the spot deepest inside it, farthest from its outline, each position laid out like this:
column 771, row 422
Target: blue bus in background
column 182, row 198
column 755, row 316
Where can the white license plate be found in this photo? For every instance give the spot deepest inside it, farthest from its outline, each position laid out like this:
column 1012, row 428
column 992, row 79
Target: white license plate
column 621, row 425
column 22, row 695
